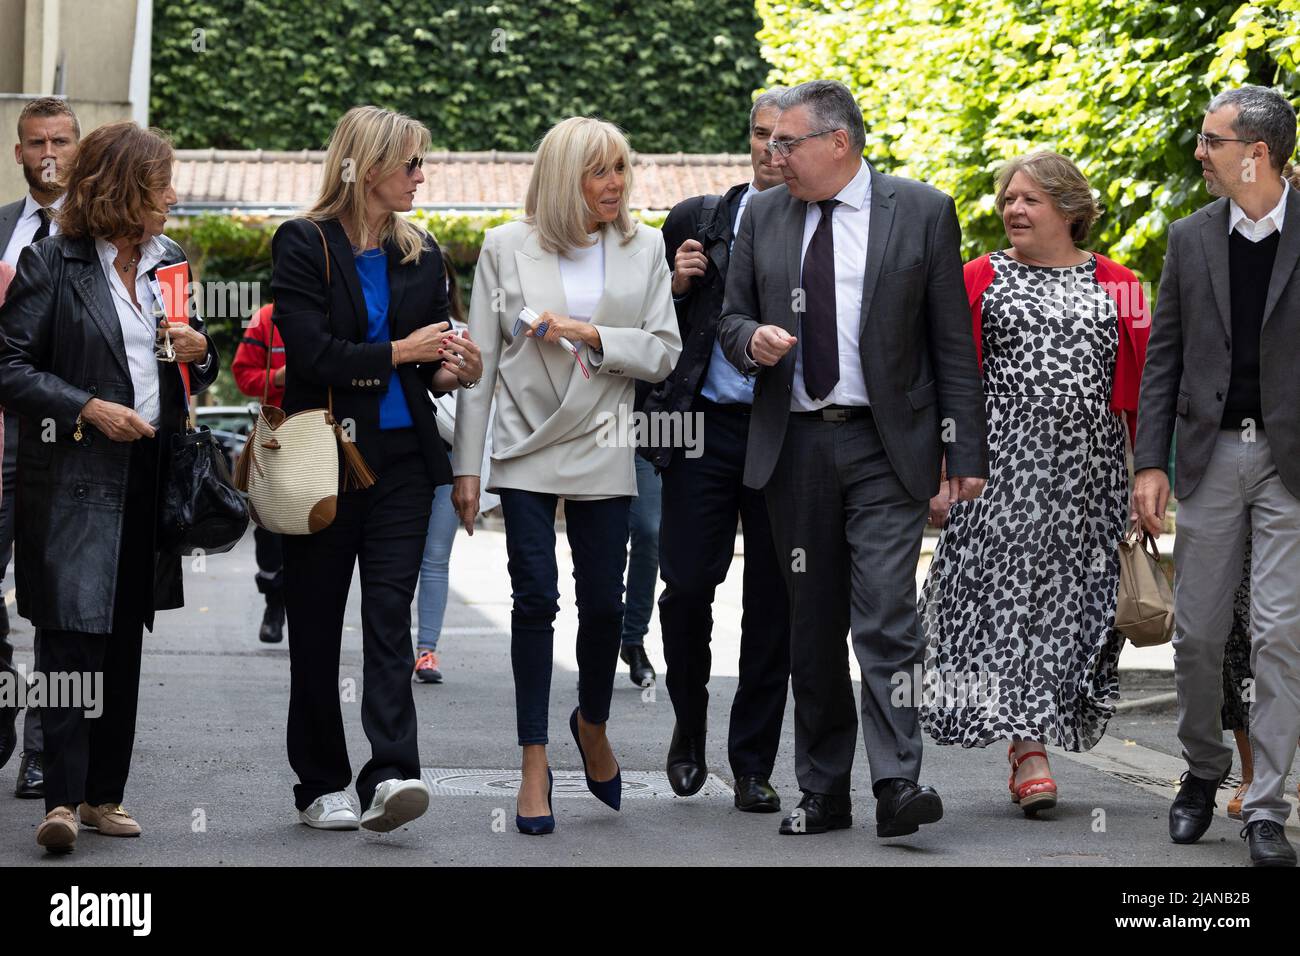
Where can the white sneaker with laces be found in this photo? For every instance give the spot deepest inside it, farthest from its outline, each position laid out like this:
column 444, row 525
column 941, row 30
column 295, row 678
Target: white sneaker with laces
column 395, row 802
column 332, row 811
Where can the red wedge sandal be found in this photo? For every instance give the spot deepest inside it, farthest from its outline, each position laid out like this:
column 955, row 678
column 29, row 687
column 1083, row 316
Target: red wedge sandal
column 1032, row 795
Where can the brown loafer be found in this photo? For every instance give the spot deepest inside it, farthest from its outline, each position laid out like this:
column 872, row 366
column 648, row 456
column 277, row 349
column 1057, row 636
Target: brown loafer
column 58, row 831
column 110, row 819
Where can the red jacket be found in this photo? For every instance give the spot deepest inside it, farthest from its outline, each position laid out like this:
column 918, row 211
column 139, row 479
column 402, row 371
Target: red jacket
column 1134, row 327
column 250, row 359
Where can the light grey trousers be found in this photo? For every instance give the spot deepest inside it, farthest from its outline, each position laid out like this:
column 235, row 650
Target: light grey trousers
column 1240, row 490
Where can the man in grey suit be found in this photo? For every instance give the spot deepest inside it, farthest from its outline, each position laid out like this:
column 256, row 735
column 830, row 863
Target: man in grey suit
column 845, row 297
column 48, row 132
column 1220, row 378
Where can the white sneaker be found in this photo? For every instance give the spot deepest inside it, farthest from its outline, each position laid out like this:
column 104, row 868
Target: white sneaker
column 333, row 811
column 395, row 802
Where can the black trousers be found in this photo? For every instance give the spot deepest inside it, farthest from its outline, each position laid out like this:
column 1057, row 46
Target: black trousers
column 702, row 498
column 88, row 758
column 269, row 550
column 382, row 528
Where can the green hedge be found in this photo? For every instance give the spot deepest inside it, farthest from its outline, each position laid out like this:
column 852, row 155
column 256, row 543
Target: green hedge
column 237, row 248
column 677, row 75
column 951, row 89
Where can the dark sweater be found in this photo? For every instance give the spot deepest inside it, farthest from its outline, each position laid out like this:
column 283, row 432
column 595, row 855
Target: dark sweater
column 1250, row 266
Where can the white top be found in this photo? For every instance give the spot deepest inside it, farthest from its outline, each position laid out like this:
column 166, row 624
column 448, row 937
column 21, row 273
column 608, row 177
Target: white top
column 849, row 226
column 26, row 226
column 1255, row 230
column 583, row 273
column 139, row 326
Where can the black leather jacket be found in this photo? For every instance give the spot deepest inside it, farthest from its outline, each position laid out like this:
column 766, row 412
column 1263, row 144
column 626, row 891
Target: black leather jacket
column 61, row 345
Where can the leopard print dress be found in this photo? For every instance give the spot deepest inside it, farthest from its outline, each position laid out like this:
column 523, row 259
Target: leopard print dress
column 1018, row 607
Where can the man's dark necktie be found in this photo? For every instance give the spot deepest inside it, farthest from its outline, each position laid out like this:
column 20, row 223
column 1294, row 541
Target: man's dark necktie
column 43, row 229
column 821, row 352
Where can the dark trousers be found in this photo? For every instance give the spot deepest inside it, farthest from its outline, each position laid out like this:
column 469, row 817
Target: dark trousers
column 702, row 498
column 33, row 740
column 642, row 554
column 383, row 529
column 850, row 537
column 89, row 758
column 597, row 532
column 269, row 550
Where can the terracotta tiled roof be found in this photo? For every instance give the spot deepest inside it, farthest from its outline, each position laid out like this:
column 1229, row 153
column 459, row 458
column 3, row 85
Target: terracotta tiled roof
column 265, row 180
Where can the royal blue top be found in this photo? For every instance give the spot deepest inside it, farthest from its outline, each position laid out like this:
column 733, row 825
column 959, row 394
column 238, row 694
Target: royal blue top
column 372, row 270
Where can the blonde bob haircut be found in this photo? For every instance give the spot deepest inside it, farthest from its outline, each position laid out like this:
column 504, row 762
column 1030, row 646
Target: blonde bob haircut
column 1061, row 180
column 555, row 206
column 368, row 139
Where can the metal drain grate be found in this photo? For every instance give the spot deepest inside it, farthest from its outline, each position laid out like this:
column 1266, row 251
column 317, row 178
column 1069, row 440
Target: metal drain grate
column 1231, row 783
column 569, row 784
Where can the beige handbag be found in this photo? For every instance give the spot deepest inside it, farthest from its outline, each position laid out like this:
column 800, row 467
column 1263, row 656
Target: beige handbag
column 1145, row 612
column 290, row 464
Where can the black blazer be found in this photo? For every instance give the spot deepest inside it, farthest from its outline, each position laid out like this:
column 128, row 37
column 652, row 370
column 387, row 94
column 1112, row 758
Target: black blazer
column 60, row 346
column 324, row 334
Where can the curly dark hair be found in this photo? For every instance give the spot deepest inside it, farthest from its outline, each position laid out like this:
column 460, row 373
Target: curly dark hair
column 116, row 182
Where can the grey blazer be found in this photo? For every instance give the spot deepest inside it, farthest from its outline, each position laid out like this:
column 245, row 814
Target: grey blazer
column 918, row 354
column 1189, row 356
column 9, row 214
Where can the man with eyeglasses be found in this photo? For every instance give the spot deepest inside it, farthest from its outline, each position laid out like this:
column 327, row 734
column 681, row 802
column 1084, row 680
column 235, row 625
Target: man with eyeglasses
column 845, row 298
column 1220, row 383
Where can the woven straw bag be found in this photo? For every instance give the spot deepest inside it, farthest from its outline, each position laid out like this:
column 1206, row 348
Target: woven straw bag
column 290, row 463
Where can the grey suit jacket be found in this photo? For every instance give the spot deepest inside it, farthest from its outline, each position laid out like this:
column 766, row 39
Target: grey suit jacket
column 1189, row 356
column 9, row 214
column 918, row 355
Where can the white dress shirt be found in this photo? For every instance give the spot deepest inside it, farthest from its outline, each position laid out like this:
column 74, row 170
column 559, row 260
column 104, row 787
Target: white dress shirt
column 849, row 226
column 1255, row 230
column 139, row 327
column 26, row 227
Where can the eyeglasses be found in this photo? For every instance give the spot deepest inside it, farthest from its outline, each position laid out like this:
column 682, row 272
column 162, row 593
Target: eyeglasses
column 414, row 163
column 1209, row 142
column 786, row 146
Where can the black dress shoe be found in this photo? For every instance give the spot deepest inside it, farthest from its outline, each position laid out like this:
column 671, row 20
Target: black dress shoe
column 8, row 715
column 819, row 812
column 272, row 629
column 755, row 795
column 687, row 770
column 1268, row 844
column 903, row 806
column 1193, row 809
column 639, row 668
column 31, row 776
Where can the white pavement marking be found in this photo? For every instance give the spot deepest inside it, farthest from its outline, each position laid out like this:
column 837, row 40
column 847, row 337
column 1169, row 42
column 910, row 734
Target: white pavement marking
column 1151, row 770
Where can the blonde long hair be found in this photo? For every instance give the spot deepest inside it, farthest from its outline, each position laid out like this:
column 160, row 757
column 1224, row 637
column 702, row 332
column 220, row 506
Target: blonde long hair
column 555, row 205
column 369, row 138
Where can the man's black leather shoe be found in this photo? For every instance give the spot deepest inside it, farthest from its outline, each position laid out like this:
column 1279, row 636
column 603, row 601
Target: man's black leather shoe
column 1193, row 809
column 817, row 813
column 639, row 669
column 687, row 770
column 31, row 776
column 1268, row 844
column 754, row 794
column 903, row 806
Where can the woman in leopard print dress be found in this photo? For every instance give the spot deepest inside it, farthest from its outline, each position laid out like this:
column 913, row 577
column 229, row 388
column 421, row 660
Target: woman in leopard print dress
column 1019, row 603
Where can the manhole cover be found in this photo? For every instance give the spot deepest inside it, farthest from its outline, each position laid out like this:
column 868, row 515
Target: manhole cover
column 569, row 784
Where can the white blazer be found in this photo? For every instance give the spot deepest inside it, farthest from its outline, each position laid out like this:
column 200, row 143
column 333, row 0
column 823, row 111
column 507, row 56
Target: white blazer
column 553, row 427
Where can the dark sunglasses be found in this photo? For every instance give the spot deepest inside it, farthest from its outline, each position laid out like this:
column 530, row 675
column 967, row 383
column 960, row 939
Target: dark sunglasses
column 414, row 163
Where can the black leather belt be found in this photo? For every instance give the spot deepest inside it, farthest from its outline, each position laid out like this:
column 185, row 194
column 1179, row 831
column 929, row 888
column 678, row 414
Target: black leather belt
column 836, row 413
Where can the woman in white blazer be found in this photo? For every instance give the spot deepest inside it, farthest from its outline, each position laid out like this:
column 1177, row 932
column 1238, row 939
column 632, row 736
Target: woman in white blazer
column 599, row 284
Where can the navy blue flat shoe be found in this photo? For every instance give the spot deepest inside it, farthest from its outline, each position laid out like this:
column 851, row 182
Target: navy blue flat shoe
column 608, row 792
column 538, row 826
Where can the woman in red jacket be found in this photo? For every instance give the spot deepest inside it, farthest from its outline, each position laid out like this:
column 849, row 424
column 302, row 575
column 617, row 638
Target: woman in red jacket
column 1019, row 603
column 250, row 372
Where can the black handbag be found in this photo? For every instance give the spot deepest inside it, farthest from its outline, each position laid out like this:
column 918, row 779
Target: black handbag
column 201, row 510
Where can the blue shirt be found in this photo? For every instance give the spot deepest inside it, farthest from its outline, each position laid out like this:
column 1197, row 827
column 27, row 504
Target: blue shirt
column 723, row 382
column 372, row 270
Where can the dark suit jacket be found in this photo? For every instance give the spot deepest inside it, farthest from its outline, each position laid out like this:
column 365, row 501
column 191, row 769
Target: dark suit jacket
column 60, row 346
column 1189, row 355
column 698, row 310
column 9, row 214
column 324, row 334
column 918, row 357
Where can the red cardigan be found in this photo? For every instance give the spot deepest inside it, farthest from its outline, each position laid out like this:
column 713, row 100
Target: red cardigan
column 249, row 365
column 1134, row 327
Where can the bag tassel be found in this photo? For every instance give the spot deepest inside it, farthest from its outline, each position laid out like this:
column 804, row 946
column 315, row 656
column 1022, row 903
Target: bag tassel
column 356, row 473
column 241, row 466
